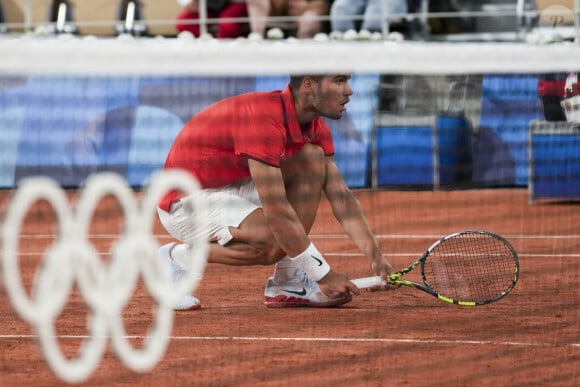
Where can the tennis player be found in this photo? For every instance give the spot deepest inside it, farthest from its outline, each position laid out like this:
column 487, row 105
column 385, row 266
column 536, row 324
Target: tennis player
column 263, row 160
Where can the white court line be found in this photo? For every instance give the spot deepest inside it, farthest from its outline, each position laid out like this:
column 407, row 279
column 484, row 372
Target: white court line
column 416, row 255
column 332, row 236
column 380, row 236
column 436, row 237
column 521, row 255
column 324, row 339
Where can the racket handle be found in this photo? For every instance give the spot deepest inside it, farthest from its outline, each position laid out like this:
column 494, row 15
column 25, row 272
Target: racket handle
column 368, row 282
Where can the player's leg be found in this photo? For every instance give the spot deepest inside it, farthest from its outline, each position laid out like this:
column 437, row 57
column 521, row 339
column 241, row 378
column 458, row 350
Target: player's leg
column 225, row 209
column 236, row 227
column 251, row 242
column 237, row 232
column 240, row 235
column 304, row 176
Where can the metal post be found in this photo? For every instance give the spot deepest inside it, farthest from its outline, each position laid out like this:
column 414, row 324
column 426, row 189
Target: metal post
column 61, row 18
column 577, row 19
column 520, row 19
column 28, row 16
column 425, row 18
column 203, row 18
column 130, row 17
column 385, row 18
column 435, row 153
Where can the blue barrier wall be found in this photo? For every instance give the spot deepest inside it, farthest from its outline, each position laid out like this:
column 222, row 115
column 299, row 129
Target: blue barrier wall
column 508, row 104
column 406, row 155
column 68, row 128
column 556, row 159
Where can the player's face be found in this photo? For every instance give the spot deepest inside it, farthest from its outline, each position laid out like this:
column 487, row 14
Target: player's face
column 332, row 95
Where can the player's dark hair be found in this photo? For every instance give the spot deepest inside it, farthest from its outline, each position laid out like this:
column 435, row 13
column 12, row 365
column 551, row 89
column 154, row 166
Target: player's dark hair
column 296, row 80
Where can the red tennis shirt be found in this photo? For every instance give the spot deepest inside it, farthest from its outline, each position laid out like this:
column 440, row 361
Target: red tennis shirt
column 215, row 145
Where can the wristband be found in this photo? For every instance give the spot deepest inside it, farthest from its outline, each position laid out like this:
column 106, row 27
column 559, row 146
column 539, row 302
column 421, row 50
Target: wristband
column 312, row 263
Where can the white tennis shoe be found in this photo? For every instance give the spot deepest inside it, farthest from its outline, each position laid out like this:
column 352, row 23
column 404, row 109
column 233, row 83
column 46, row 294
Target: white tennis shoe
column 299, row 291
column 174, row 273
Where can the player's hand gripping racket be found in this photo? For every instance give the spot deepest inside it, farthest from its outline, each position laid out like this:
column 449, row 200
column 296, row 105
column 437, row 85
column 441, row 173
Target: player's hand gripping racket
column 470, row 268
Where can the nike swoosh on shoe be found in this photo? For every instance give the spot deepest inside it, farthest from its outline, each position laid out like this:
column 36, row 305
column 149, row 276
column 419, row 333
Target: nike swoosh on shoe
column 298, row 293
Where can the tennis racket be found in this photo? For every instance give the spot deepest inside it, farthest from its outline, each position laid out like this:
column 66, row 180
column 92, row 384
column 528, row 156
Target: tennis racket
column 469, row 268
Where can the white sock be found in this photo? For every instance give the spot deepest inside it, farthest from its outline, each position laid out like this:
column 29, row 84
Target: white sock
column 285, row 270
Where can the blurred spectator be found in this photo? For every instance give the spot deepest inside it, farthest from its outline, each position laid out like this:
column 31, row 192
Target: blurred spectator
column 456, row 24
column 216, row 9
column 307, row 12
column 345, row 14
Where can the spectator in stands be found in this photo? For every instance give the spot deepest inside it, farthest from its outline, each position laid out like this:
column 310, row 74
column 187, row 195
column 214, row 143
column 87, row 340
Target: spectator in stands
column 307, row 12
column 455, row 24
column 220, row 9
column 343, row 14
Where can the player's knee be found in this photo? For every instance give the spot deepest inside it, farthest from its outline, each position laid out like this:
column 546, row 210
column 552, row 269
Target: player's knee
column 306, row 170
column 314, row 170
column 313, row 150
column 313, row 160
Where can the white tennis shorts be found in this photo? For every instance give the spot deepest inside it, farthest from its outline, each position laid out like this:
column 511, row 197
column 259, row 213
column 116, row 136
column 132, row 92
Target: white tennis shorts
column 226, row 207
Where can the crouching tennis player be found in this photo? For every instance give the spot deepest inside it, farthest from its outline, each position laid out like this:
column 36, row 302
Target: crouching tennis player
column 263, row 160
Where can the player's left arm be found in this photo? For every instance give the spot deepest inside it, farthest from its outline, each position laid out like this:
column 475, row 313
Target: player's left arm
column 349, row 213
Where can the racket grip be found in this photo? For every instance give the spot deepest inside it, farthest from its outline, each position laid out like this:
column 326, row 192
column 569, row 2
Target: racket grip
column 368, row 282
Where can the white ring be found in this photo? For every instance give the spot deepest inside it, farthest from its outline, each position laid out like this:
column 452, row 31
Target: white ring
column 30, row 191
column 105, row 287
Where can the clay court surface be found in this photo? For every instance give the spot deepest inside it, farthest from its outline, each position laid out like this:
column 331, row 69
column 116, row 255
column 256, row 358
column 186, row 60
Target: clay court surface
column 404, row 337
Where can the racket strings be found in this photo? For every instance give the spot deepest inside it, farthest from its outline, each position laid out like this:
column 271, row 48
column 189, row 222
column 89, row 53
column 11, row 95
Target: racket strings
column 471, row 267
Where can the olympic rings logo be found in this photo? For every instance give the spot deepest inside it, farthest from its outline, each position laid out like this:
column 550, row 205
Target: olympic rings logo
column 105, row 287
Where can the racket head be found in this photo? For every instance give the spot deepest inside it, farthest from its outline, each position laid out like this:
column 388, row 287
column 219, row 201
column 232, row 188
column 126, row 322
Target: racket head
column 471, row 267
